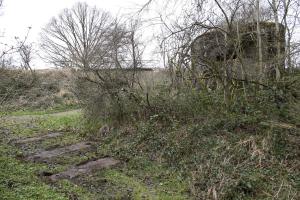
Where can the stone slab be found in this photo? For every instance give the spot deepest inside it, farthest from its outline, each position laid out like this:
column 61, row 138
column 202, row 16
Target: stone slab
column 86, row 168
column 46, row 155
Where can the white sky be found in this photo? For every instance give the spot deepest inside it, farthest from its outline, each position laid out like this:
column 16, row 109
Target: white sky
column 18, row 15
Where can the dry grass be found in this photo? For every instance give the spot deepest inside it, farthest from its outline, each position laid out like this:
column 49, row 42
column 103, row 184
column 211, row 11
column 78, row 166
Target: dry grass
column 41, row 90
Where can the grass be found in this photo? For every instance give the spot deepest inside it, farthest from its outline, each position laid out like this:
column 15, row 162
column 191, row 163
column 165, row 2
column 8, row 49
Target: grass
column 32, row 125
column 239, row 159
column 153, row 182
column 71, row 121
column 20, row 180
column 50, row 110
column 139, row 190
column 217, row 155
column 168, row 183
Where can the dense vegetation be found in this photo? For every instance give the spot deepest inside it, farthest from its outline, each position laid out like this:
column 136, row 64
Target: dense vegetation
column 180, row 132
column 238, row 152
column 188, row 144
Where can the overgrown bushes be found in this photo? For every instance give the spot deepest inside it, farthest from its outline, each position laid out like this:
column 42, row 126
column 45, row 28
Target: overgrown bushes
column 224, row 152
column 166, row 104
column 20, row 89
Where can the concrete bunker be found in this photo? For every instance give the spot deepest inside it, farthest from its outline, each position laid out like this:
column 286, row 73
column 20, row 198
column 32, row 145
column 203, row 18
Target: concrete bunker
column 210, row 48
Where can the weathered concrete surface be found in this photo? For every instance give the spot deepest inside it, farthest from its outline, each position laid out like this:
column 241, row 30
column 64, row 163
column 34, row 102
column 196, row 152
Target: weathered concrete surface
column 86, row 168
column 39, row 138
column 213, row 47
column 46, row 155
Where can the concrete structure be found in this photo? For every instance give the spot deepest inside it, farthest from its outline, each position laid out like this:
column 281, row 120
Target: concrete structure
column 210, row 49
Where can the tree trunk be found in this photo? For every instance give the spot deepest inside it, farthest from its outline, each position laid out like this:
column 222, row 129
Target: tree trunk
column 289, row 35
column 278, row 62
column 241, row 61
column 134, row 59
column 259, row 43
column 227, row 75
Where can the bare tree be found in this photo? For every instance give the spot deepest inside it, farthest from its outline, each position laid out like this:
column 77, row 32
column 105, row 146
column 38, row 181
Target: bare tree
column 25, row 52
column 275, row 8
column 291, row 23
column 77, row 38
column 105, row 50
column 9, row 51
column 229, row 17
column 8, row 78
column 219, row 23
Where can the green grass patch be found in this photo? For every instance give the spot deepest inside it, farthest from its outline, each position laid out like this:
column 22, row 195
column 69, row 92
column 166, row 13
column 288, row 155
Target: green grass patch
column 141, row 190
column 74, row 191
column 29, row 126
column 71, row 121
column 19, row 181
column 50, row 110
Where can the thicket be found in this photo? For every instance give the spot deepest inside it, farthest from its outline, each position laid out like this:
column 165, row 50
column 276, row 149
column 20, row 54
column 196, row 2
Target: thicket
column 234, row 152
column 185, row 104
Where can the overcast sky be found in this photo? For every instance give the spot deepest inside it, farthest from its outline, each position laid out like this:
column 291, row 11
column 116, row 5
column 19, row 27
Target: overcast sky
column 17, row 15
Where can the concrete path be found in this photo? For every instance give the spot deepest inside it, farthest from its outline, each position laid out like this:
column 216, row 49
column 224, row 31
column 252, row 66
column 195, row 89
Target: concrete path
column 47, row 155
column 89, row 167
column 38, row 138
